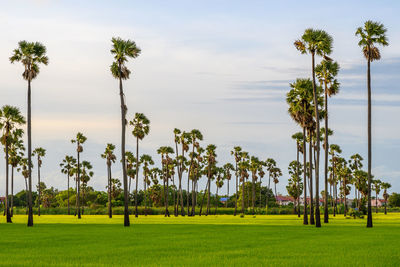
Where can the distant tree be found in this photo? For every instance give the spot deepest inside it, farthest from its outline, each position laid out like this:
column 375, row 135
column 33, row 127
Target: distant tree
column 39, row 153
column 79, row 140
column 385, row 187
column 110, row 159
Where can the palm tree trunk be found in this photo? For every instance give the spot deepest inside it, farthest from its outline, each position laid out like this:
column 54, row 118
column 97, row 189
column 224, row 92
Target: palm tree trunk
column 68, row 193
column 317, row 212
column 269, row 187
column 39, row 188
column 78, row 188
column 202, row 201
column 305, row 217
column 137, row 177
column 145, row 195
column 12, row 191
column 298, row 180
column 326, row 215
column 253, row 199
column 248, row 196
column 216, row 202
column 174, row 199
column 123, row 126
column 109, row 191
column 26, row 194
column 29, row 126
column 385, row 204
column 376, row 199
column 236, row 186
column 193, row 197
column 310, row 152
column 190, row 168
column 227, row 196
column 260, row 204
column 167, row 194
column 369, row 217
column 7, row 204
column 208, row 196
column 243, row 194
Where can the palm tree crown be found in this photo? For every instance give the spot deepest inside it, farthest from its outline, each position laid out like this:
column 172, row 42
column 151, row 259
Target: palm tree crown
column 122, row 50
column 371, row 34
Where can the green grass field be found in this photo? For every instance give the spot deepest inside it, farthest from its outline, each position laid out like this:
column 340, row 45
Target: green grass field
column 272, row 240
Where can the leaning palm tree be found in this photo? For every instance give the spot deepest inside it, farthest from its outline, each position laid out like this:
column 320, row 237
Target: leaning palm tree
column 79, row 140
column 110, row 159
column 39, row 152
column 10, row 118
column 326, row 72
column 141, row 128
column 67, row 166
column 30, row 55
column 122, row 50
column 372, row 34
column 315, row 42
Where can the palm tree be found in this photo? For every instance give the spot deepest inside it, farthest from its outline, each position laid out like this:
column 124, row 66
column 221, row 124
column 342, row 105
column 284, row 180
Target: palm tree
column 299, row 99
column 164, row 151
column 243, row 170
column 79, row 140
column 377, row 186
column 326, row 72
column 270, row 164
column 219, row 182
column 294, row 186
column 131, row 167
column 23, row 167
column 385, row 187
column 298, row 137
column 254, row 167
column 228, row 167
column 236, row 152
column 16, row 154
column 67, row 166
column 87, row 174
column 276, row 173
column 122, row 50
column 372, row 34
column 211, row 170
column 30, row 55
column 39, row 153
column 334, row 151
column 141, row 128
column 355, row 165
column 147, row 161
column 10, row 118
column 315, row 42
column 195, row 136
column 110, row 159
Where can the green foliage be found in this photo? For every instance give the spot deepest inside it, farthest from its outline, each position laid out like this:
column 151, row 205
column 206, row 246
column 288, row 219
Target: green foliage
column 394, row 200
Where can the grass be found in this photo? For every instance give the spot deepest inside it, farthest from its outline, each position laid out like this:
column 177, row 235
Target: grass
column 272, row 240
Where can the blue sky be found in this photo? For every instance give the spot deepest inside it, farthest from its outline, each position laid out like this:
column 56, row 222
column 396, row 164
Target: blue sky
column 220, row 66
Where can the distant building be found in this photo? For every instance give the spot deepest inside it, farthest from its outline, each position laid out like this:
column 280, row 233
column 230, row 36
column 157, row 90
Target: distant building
column 378, row 202
column 284, row 200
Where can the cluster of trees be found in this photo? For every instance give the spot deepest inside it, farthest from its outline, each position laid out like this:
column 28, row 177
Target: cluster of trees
column 308, row 105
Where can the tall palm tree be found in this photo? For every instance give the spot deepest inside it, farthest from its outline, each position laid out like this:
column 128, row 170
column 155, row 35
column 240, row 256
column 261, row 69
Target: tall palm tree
column 141, row 128
column 236, row 153
column 372, row 34
column 39, row 152
column 385, row 187
column 67, row 166
column 122, row 50
column 326, row 72
column 147, row 161
column 10, row 118
column 31, row 55
column 315, row 42
column 298, row 137
column 211, row 170
column 110, row 159
column 79, row 140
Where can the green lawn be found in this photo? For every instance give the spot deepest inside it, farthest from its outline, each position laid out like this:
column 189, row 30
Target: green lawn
column 281, row 240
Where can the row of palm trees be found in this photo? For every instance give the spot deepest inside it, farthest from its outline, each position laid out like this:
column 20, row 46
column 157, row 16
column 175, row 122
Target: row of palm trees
column 308, row 105
column 304, row 108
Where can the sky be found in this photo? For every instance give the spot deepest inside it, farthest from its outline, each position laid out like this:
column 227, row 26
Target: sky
column 222, row 67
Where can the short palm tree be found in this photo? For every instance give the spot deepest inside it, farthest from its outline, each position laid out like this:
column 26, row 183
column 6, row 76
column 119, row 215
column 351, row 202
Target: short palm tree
column 79, row 140
column 228, row 167
column 67, row 166
column 39, row 153
column 87, row 174
column 372, row 34
column 270, row 163
column 147, row 161
column 254, row 168
column 377, row 186
column 219, row 182
column 16, row 154
column 141, row 128
column 31, row 55
column 110, row 159
column 385, row 187
column 193, row 138
column 315, row 42
column 122, row 50
column 166, row 161
column 10, row 118
column 326, row 72
column 298, row 137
